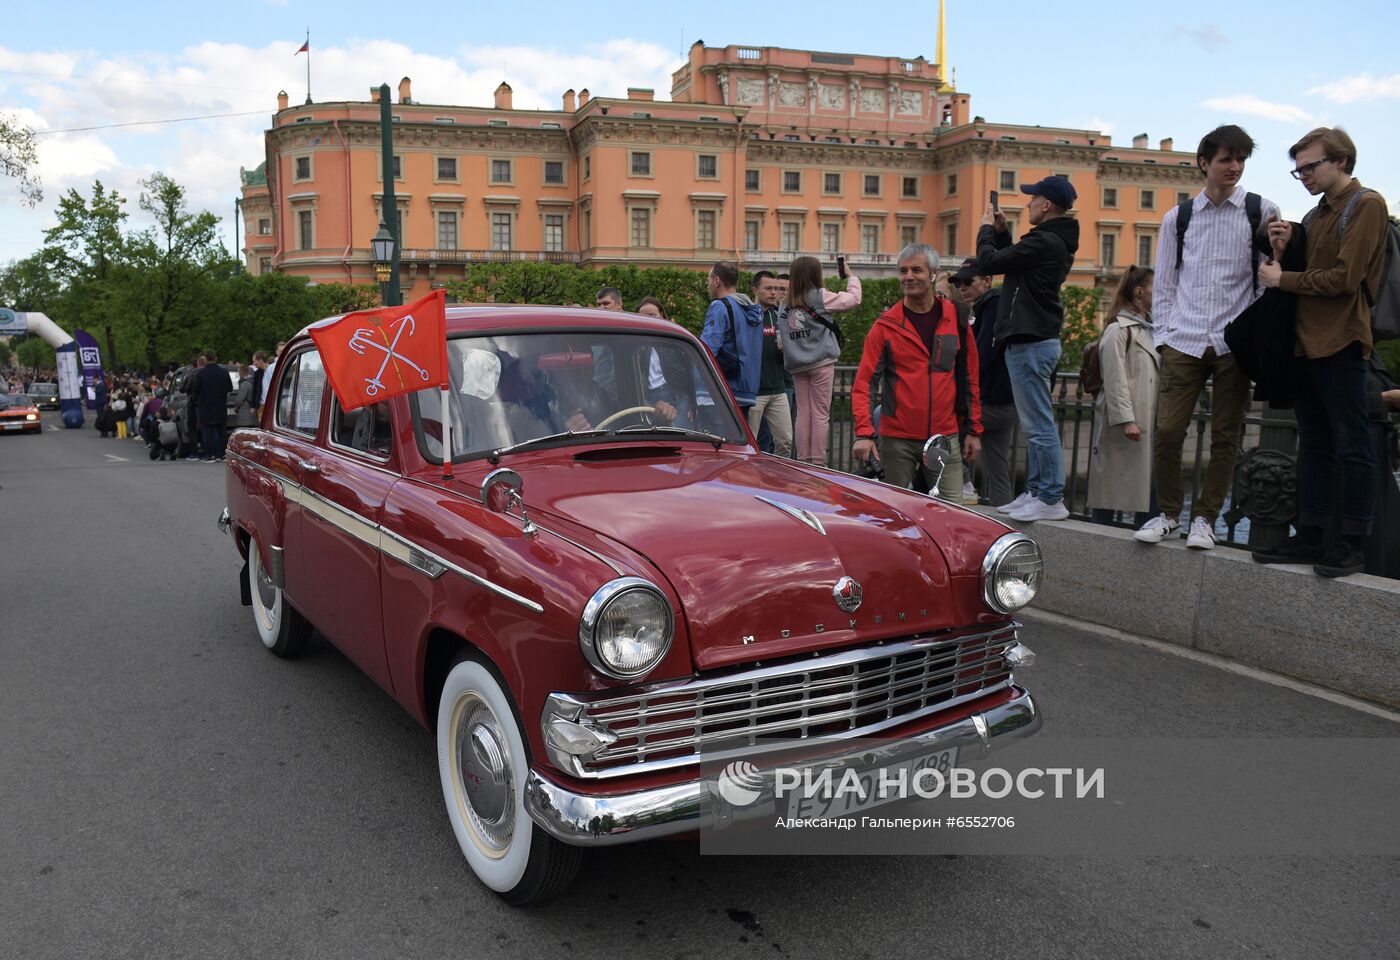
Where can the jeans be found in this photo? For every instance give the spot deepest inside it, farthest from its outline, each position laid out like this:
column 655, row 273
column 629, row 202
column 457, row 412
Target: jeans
column 1031, row 365
column 1334, row 438
column 813, row 410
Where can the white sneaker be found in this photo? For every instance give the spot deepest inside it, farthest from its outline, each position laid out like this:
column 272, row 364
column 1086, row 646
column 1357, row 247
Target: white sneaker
column 1016, row 504
column 1156, row 530
column 1202, row 535
column 969, row 495
column 1038, row 509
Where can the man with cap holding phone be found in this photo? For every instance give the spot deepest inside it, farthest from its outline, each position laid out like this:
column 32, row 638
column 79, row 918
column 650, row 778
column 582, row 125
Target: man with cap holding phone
column 1028, row 324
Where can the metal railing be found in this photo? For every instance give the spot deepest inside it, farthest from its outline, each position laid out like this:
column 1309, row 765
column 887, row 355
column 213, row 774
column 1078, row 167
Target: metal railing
column 444, row 255
column 1074, row 413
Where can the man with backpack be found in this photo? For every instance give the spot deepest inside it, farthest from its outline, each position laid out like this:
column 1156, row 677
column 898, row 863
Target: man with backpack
column 734, row 333
column 1206, row 276
column 1347, row 287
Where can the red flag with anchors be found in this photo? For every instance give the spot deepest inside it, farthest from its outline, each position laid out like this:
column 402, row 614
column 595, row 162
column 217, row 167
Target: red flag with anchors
column 372, row 355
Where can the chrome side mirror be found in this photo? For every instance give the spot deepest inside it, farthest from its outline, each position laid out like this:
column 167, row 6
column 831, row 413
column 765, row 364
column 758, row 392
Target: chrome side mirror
column 938, row 453
column 503, row 491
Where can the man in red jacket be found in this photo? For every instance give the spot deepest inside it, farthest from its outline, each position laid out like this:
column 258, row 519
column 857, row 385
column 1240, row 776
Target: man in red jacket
column 921, row 362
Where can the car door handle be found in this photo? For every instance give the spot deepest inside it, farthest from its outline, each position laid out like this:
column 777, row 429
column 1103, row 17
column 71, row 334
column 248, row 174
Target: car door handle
column 257, row 446
column 308, row 466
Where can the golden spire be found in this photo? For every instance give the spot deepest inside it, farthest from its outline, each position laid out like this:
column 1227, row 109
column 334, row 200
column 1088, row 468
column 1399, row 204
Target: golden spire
column 940, row 56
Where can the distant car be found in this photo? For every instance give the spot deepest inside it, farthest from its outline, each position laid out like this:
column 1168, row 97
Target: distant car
column 178, row 400
column 614, row 579
column 44, row 395
column 18, row 414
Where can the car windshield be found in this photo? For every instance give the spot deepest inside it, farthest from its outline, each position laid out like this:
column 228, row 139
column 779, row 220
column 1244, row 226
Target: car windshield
column 44, row 390
column 15, row 400
column 517, row 388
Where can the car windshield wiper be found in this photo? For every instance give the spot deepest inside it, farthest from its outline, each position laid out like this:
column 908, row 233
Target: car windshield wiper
column 715, row 439
column 549, row 438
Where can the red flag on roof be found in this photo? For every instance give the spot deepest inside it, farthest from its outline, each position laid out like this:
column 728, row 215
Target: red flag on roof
column 372, row 355
column 305, row 48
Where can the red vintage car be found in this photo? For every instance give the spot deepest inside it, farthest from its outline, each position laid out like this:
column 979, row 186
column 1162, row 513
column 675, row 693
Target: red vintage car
column 614, row 580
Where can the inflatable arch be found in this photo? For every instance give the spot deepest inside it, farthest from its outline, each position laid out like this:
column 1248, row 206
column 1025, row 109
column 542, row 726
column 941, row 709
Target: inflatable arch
column 70, row 385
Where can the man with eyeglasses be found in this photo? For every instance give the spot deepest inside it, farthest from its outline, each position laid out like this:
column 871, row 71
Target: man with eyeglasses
column 1345, row 242
column 1205, row 277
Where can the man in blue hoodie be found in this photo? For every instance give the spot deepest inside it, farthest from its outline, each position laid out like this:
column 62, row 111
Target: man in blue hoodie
column 734, row 333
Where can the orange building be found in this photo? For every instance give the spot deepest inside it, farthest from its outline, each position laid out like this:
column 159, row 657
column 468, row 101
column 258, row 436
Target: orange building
column 760, row 155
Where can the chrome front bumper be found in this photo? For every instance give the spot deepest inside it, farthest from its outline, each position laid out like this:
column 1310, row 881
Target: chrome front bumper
column 589, row 820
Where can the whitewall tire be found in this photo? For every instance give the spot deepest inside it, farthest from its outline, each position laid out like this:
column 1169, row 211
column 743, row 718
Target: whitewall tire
column 280, row 628
column 482, row 762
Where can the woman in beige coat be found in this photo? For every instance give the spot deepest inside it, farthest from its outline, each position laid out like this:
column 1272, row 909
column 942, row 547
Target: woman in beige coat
column 1125, row 413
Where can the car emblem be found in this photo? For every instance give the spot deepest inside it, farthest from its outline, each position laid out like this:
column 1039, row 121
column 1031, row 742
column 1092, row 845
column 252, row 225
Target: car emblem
column 847, row 594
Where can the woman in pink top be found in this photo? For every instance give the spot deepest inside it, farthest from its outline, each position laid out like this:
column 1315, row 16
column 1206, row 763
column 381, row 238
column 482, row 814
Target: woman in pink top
column 813, row 344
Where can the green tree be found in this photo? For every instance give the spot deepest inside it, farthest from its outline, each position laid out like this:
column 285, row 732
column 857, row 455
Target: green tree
column 33, row 284
column 35, row 354
column 85, row 249
column 1082, row 325
column 19, row 157
column 5, row 353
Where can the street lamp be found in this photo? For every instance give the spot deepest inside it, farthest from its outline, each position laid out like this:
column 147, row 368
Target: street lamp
column 383, row 248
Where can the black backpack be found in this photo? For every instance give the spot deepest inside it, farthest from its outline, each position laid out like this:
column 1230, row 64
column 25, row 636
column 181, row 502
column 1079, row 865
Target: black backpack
column 1253, row 208
column 1385, row 303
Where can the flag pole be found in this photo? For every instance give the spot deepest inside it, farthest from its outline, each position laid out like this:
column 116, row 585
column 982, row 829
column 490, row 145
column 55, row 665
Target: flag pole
column 446, row 390
column 308, row 64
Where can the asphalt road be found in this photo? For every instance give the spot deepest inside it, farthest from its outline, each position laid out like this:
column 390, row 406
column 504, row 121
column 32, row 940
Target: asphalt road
column 168, row 789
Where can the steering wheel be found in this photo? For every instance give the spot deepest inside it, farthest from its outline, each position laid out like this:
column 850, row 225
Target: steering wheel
column 622, row 413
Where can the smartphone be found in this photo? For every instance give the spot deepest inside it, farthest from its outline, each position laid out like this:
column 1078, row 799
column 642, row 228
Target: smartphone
column 996, row 204
column 841, row 266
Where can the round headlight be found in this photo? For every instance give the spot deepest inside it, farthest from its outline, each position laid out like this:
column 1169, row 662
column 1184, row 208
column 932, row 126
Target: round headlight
column 626, row 628
column 1012, row 573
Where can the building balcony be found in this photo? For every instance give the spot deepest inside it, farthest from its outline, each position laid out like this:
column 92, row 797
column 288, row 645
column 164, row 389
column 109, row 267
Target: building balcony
column 414, row 255
column 878, row 263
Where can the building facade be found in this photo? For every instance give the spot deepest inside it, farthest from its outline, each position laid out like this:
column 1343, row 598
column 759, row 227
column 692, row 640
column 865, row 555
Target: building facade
column 761, row 154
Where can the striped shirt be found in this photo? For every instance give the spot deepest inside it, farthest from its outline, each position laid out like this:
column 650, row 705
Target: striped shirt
column 1216, row 282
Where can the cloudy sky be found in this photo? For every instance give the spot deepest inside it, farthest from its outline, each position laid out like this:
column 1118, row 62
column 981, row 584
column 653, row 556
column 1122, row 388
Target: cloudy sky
column 1276, row 68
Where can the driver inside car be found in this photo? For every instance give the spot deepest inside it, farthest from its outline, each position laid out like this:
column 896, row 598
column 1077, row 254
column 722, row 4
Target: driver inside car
column 580, row 402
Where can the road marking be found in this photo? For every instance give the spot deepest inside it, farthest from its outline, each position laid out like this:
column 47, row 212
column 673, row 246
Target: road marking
column 113, row 457
column 1219, row 662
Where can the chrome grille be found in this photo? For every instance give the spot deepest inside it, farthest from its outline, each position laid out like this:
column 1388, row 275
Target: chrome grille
column 848, row 693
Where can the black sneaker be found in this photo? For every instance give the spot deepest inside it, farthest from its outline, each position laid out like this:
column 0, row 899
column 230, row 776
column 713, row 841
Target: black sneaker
column 1342, row 560
column 1292, row 550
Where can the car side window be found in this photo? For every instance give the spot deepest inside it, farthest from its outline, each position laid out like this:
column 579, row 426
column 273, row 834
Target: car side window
column 366, row 429
column 299, row 393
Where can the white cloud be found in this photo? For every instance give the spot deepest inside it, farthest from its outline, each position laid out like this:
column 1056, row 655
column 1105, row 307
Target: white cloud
column 1208, row 36
column 1253, row 106
column 1102, row 126
column 1361, row 87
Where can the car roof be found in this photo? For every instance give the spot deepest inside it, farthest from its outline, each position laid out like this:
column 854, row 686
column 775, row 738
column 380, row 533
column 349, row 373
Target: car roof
column 466, row 318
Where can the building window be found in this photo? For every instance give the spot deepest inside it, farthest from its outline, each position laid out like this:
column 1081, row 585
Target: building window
column 870, row 238
column 1108, row 250
column 447, row 230
column 1007, row 179
column 264, row 227
column 501, row 171
column 641, row 227
column 751, row 229
column 641, row 164
column 305, row 230
column 397, row 167
column 870, row 186
column 831, row 183
column 751, row 180
column 1144, row 257
column 1110, row 197
column 264, row 265
column 303, row 169
column 501, row 224
column 952, row 184
column 554, row 172
column 705, row 229
column 1147, row 199
column 554, row 232
column 447, row 168
column 1182, row 196
column 831, row 238
column 792, row 181
column 587, row 167
column 908, row 234
column 950, row 240
column 707, row 167
column 792, row 237
column 910, row 187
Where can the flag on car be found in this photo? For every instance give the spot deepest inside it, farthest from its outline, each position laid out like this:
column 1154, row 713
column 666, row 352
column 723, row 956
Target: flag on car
column 372, row 355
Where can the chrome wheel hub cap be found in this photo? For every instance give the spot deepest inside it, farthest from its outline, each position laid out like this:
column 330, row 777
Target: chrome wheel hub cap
column 483, row 763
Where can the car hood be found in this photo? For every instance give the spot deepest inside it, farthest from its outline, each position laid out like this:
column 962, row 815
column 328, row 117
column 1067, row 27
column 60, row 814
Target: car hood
column 755, row 546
